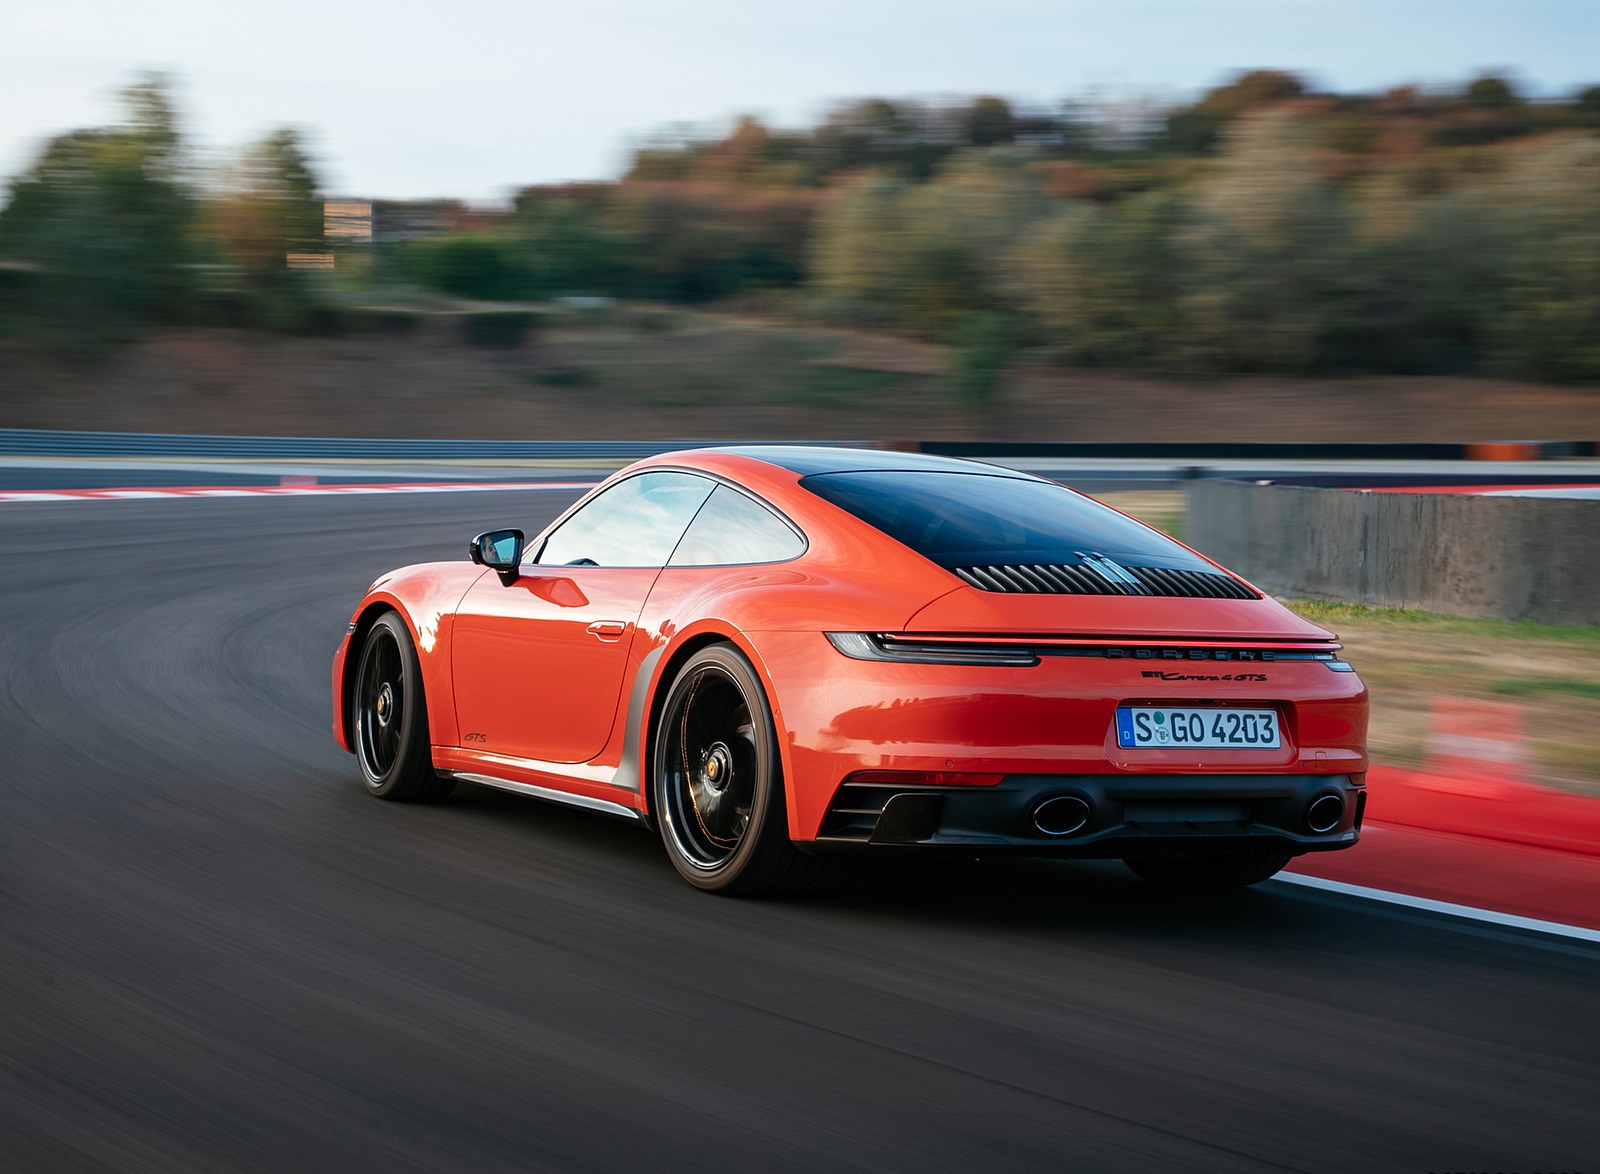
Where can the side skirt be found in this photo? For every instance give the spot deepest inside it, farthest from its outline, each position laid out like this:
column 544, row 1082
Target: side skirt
column 604, row 806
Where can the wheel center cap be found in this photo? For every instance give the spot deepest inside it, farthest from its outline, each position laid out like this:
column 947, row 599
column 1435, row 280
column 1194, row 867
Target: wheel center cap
column 385, row 706
column 717, row 767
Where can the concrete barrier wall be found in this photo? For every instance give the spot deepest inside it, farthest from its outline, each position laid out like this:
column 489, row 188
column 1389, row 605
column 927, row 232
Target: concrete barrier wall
column 1502, row 557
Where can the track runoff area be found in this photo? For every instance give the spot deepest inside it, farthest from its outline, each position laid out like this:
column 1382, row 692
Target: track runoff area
column 1494, row 877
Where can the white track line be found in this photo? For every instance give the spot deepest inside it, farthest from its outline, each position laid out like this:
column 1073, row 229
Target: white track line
column 1489, row 916
column 20, row 495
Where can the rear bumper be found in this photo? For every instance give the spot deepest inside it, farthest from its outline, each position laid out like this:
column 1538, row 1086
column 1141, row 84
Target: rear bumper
column 1101, row 815
column 1054, row 723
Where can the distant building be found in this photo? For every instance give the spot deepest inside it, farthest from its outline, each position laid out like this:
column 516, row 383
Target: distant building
column 309, row 260
column 347, row 221
column 405, row 220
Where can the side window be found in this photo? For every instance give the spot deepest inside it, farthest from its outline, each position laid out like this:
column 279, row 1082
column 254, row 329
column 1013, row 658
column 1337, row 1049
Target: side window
column 635, row 523
column 732, row 529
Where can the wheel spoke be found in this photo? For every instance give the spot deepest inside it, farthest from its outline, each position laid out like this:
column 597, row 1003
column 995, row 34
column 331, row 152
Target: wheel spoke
column 714, row 765
column 380, row 702
column 745, row 754
column 702, row 724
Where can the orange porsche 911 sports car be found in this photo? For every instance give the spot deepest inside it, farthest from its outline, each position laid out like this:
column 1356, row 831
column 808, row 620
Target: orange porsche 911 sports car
column 775, row 654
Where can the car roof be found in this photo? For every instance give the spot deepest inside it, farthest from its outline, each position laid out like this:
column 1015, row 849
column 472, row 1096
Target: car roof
column 807, row 460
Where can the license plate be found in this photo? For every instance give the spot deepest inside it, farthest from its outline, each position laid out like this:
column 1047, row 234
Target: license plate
column 1167, row 727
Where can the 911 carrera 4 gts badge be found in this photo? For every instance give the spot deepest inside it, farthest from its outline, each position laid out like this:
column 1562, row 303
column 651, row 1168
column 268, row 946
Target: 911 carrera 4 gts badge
column 1164, row 676
column 1115, row 653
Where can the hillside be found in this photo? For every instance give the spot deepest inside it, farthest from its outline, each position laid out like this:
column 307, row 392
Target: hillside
column 652, row 372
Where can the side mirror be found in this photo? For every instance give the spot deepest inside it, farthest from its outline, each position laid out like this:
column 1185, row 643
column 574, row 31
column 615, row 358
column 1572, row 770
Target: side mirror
column 500, row 551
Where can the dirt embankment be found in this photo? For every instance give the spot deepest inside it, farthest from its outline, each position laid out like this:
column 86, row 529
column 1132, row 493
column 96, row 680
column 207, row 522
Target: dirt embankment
column 679, row 375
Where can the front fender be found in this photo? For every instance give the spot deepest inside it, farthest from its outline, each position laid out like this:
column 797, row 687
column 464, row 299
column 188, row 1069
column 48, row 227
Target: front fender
column 425, row 597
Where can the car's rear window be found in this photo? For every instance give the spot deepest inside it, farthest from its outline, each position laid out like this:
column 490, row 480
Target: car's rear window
column 973, row 519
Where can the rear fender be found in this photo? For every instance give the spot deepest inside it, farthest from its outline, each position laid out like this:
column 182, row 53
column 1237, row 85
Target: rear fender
column 667, row 666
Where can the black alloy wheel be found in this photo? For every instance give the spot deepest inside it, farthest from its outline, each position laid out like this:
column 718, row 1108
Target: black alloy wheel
column 717, row 786
column 389, row 717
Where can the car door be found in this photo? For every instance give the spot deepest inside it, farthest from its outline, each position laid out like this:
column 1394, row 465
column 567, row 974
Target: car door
column 538, row 663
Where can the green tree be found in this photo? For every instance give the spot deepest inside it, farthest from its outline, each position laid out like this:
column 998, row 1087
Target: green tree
column 1199, row 128
column 1586, row 106
column 1102, row 282
column 469, row 265
column 268, row 207
column 988, row 122
column 570, row 248
column 1267, row 254
column 926, row 255
column 1491, row 93
column 1431, row 269
column 1488, row 110
column 891, row 137
column 856, row 262
column 693, row 244
column 1548, row 209
column 102, row 226
column 959, row 229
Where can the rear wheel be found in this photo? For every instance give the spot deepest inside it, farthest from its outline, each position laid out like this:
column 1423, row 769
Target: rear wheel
column 1209, row 870
column 717, row 787
column 390, row 717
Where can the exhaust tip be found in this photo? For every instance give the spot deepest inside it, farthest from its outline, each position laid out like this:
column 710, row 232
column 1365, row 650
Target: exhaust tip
column 1061, row 816
column 1324, row 813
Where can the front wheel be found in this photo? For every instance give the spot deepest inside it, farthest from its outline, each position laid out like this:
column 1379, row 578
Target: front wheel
column 717, row 788
column 1209, row 870
column 390, row 717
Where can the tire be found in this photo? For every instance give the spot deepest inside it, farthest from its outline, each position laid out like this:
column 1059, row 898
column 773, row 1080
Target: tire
column 389, row 717
column 716, row 783
column 1209, row 870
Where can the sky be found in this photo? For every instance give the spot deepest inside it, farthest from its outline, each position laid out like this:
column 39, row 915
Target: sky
column 473, row 99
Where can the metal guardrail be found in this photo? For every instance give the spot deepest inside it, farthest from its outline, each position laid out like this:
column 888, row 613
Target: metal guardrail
column 1250, row 450
column 39, row 442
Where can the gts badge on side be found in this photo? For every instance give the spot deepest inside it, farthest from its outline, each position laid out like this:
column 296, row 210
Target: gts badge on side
column 480, row 738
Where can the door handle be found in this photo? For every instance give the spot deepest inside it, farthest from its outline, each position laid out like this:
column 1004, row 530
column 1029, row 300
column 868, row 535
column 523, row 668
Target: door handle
column 608, row 630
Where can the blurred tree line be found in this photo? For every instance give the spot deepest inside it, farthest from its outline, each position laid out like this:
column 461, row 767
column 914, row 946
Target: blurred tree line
column 1263, row 227
column 116, row 231
column 676, row 242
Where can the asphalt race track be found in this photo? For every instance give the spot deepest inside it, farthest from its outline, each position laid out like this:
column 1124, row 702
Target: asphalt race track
column 217, row 953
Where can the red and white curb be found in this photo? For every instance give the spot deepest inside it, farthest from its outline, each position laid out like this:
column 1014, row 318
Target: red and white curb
column 287, row 490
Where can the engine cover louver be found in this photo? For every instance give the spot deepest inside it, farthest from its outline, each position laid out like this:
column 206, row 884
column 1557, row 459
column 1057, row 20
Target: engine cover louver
column 1069, row 579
